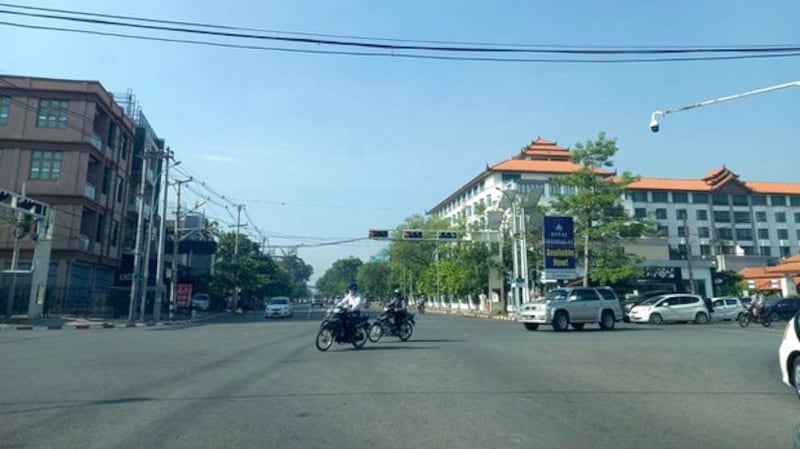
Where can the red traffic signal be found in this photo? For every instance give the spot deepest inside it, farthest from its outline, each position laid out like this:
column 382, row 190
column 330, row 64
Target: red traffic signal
column 378, row 234
column 412, row 235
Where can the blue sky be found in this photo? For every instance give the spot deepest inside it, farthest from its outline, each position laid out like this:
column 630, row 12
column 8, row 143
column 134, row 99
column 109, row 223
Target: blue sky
column 330, row 146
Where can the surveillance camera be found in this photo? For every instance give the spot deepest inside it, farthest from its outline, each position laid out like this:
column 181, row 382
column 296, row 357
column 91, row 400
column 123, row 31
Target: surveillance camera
column 654, row 125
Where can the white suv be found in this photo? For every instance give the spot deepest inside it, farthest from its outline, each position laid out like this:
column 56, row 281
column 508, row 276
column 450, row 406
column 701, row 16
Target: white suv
column 573, row 306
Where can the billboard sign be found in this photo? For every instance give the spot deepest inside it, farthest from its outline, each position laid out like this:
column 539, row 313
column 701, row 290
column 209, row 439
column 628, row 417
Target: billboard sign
column 559, row 248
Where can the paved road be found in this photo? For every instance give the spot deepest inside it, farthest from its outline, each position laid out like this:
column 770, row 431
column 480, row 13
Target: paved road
column 459, row 383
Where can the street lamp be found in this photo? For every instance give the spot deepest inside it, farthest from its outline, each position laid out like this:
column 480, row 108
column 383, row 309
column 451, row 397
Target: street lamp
column 654, row 126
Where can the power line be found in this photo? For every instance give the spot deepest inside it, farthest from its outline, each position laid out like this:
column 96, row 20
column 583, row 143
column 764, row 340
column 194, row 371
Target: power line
column 405, row 47
column 775, row 54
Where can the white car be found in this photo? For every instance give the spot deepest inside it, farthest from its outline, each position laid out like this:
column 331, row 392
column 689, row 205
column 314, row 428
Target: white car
column 676, row 307
column 573, row 306
column 789, row 354
column 728, row 308
column 279, row 306
column 201, row 301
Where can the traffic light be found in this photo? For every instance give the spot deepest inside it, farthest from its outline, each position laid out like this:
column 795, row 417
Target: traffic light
column 447, row 235
column 412, row 235
column 378, row 234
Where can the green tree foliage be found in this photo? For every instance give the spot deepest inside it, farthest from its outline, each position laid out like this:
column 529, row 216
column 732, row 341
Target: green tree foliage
column 727, row 283
column 256, row 274
column 601, row 222
column 374, row 279
column 298, row 273
column 342, row 272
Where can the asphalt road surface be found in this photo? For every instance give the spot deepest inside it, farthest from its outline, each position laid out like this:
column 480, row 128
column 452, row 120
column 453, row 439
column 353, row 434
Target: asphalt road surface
column 246, row 382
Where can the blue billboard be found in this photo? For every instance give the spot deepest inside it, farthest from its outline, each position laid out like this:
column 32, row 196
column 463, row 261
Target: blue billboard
column 559, row 248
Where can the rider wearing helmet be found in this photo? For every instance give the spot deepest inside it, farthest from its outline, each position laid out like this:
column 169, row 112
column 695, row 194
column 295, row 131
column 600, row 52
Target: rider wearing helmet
column 398, row 306
column 351, row 304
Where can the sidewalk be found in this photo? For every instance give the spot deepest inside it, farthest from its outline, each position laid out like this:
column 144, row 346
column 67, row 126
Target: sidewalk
column 78, row 323
column 471, row 314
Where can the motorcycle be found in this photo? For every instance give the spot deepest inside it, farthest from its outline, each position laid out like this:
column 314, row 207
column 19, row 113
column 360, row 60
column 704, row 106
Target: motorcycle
column 385, row 325
column 332, row 331
column 421, row 307
column 748, row 316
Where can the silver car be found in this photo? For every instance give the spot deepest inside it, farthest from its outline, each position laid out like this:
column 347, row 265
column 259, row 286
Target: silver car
column 278, row 307
column 728, row 308
column 677, row 307
column 573, row 306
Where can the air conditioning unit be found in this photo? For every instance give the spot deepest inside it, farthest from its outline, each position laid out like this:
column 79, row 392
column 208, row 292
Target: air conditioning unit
column 84, row 243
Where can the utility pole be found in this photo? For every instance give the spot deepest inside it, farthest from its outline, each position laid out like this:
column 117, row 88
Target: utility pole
column 12, row 291
column 239, row 225
column 137, row 251
column 160, row 256
column 153, row 203
column 692, row 288
column 173, row 300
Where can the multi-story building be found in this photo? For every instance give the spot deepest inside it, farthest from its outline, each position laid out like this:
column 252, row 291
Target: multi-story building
column 712, row 219
column 68, row 144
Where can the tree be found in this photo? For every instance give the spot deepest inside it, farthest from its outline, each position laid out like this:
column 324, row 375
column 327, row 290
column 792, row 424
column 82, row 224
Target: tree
column 342, row 272
column 601, row 221
column 373, row 279
column 727, row 283
column 298, row 272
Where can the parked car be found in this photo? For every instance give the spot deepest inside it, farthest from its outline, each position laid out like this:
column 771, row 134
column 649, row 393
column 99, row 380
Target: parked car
column 629, row 303
column 675, row 307
column 574, row 306
column 783, row 309
column 317, row 302
column 727, row 308
column 201, row 301
column 789, row 354
column 279, row 306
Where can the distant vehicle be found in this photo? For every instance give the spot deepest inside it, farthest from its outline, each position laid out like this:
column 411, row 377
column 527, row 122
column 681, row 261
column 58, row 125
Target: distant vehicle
column 783, row 309
column 574, row 306
column 279, row 306
column 676, row 307
column 201, row 301
column 317, row 302
column 628, row 304
column 789, row 354
column 728, row 308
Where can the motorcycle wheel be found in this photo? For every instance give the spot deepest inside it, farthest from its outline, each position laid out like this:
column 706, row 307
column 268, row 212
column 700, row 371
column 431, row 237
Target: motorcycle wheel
column 766, row 321
column 405, row 331
column 324, row 339
column 744, row 320
column 375, row 332
column 359, row 338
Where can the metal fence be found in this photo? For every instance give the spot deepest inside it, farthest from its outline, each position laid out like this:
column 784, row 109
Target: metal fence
column 106, row 303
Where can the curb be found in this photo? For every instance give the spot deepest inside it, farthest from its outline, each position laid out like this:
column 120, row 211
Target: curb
column 105, row 325
column 475, row 315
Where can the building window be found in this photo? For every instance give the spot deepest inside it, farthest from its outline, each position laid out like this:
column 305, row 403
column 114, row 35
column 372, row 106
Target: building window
column 639, row 197
column 722, row 216
column 748, row 250
column 680, row 214
column 703, row 233
column 785, row 251
column 741, row 217
column 783, row 234
column 662, row 231
column 794, row 201
column 724, row 234
column 705, row 250
column 45, row 165
column 700, row 198
column 797, row 217
column 680, row 197
column 780, row 217
column 739, row 200
column 106, row 180
column 744, row 234
column 120, row 188
column 759, row 200
column 763, row 233
column 114, row 233
column 52, row 114
column 798, row 234
column 777, row 200
column 101, row 226
column 682, row 231
column 659, row 197
column 510, row 176
column 720, row 199
column 702, row 215
column 530, row 186
column 661, row 214
column 766, row 251
column 5, row 102
column 640, row 212
column 761, row 217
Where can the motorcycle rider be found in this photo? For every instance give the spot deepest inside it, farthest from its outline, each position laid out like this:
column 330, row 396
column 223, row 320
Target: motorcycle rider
column 351, row 305
column 758, row 304
column 397, row 306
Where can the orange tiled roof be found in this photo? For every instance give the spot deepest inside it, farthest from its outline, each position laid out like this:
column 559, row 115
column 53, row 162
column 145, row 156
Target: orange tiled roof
column 766, row 284
column 784, row 188
column 754, row 272
column 540, row 166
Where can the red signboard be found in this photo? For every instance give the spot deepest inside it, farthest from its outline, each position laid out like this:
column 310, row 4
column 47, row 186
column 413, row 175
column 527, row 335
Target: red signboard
column 184, row 295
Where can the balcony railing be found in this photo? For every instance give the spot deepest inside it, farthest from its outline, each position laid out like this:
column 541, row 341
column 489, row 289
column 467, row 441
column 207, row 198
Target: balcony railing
column 90, row 191
column 97, row 141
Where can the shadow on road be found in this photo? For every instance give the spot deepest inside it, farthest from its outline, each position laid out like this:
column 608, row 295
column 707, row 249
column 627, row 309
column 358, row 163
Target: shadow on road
column 392, row 348
column 426, row 340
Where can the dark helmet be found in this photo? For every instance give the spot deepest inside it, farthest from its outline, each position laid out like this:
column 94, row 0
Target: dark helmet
column 397, row 293
column 352, row 287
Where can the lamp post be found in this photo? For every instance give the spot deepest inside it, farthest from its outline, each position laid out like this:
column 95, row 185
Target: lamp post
column 654, row 125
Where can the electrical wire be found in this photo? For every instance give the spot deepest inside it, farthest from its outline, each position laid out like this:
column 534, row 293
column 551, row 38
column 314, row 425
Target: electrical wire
column 776, row 54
